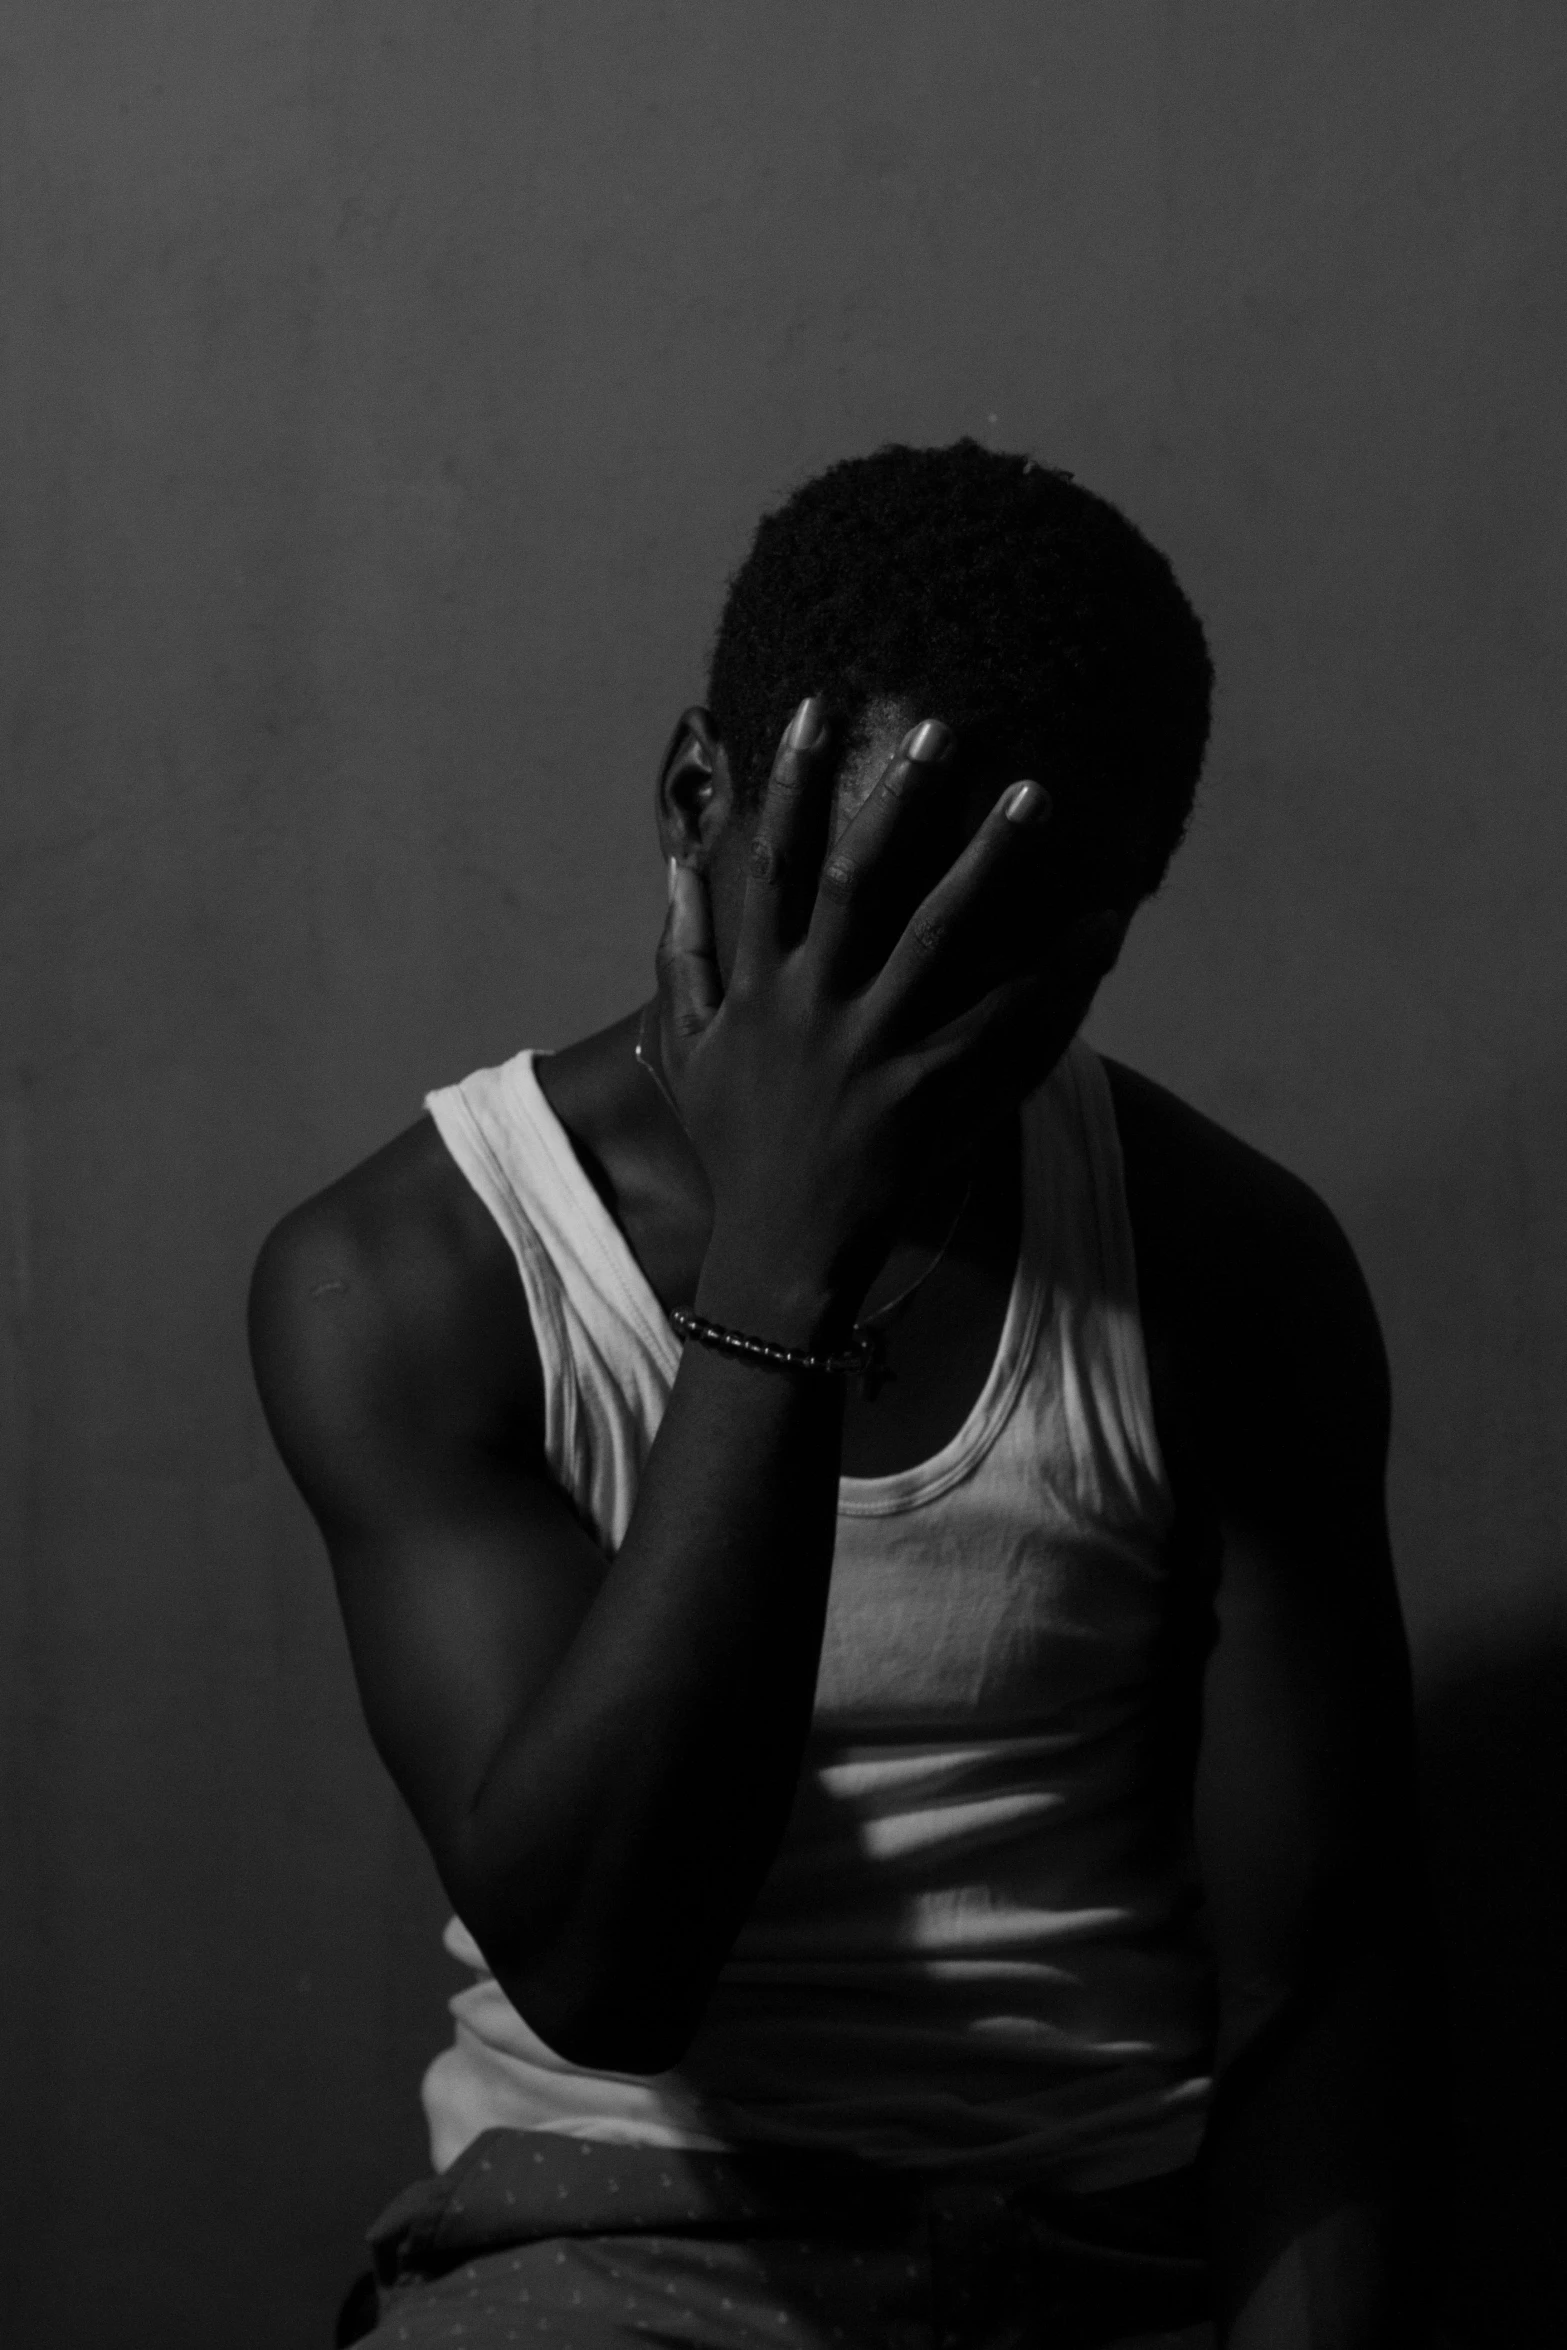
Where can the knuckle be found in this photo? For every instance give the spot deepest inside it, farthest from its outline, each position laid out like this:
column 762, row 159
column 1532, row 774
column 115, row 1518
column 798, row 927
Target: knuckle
column 766, row 859
column 928, row 933
column 838, row 879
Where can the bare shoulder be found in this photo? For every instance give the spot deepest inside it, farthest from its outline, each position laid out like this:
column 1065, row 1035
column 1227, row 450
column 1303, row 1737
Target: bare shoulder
column 386, row 1313
column 1184, row 1163
column 1252, row 1296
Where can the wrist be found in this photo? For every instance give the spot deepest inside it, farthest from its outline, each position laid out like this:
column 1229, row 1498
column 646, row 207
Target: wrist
column 769, row 1354
column 788, row 1306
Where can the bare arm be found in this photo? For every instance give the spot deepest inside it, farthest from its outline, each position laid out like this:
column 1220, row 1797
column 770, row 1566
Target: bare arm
column 1317, row 2154
column 602, row 1755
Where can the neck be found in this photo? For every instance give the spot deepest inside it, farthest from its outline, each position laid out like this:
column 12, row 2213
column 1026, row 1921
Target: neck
column 628, row 1138
column 933, row 1213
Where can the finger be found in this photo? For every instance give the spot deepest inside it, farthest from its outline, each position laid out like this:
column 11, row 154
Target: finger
column 860, row 874
column 950, row 914
column 788, row 844
column 690, row 986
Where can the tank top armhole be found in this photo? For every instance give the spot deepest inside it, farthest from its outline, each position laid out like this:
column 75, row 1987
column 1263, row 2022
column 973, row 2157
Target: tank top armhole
column 474, row 1157
column 1118, row 1257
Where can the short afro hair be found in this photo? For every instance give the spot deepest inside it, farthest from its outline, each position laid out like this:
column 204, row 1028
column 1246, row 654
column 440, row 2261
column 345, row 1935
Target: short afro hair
column 995, row 593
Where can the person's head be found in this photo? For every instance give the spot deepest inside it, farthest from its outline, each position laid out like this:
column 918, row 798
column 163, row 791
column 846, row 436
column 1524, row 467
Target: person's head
column 989, row 591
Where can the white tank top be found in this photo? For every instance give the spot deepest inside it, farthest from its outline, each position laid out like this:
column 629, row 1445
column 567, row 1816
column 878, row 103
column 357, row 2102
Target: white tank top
column 980, row 1942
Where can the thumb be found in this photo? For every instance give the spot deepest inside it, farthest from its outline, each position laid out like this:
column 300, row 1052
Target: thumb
column 689, row 987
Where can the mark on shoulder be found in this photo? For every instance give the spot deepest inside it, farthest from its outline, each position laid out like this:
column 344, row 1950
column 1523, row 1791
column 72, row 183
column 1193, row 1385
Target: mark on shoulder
column 391, row 1296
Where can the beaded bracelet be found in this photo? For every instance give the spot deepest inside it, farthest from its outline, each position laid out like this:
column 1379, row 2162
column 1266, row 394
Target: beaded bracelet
column 764, row 1352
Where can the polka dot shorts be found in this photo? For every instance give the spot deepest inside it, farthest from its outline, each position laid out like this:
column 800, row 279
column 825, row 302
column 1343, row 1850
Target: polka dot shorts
column 560, row 2244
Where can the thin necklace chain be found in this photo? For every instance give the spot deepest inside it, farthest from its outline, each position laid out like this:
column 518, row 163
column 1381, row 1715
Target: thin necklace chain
column 866, row 1321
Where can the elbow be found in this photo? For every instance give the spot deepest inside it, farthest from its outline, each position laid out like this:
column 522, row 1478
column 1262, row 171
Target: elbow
column 580, row 1990
column 592, row 2046
column 594, row 2042
column 596, row 2030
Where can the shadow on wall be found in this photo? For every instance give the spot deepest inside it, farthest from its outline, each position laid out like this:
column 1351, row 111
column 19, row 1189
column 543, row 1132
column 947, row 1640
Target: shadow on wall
column 1493, row 1755
column 1465, row 1243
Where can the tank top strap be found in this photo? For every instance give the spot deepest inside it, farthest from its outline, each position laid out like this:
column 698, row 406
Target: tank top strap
column 607, row 1354
column 1107, row 1275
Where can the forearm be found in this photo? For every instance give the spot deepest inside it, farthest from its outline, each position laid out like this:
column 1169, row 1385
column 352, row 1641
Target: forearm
column 622, row 1831
column 1318, row 2162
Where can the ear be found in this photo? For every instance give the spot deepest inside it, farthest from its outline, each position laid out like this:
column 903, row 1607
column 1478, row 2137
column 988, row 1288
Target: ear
column 695, row 797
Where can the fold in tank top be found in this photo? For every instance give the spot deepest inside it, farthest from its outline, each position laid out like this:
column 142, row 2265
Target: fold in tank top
column 980, row 1945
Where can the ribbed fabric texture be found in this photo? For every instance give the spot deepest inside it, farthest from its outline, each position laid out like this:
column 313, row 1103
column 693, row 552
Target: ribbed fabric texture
column 980, row 1945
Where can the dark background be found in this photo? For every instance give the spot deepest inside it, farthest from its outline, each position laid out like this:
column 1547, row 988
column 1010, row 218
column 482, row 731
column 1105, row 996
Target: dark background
column 388, row 387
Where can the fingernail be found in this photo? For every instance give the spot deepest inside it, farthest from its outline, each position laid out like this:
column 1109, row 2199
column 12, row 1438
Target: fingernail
column 1026, row 803
column 673, row 869
column 928, row 741
column 807, row 726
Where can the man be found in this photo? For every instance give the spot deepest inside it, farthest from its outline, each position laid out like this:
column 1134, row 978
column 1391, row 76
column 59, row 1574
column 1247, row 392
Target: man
column 861, row 1534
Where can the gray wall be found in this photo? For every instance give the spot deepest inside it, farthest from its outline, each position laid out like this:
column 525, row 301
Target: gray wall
column 387, row 389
